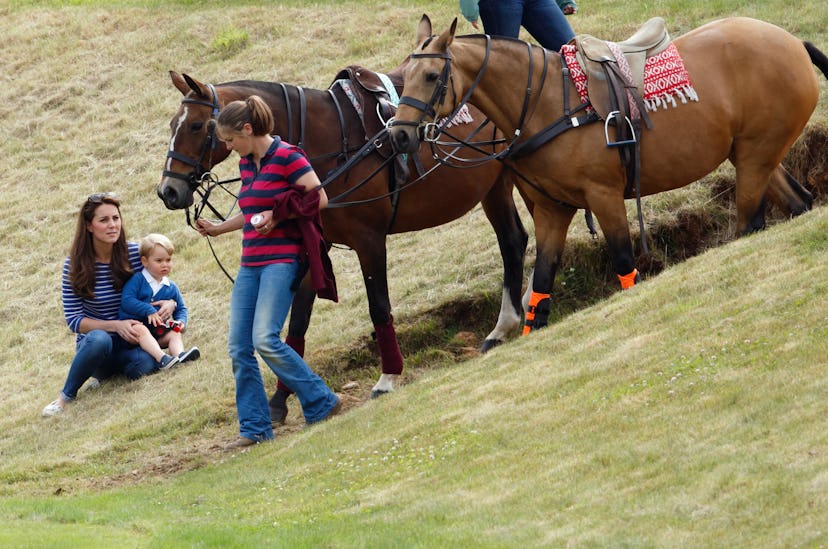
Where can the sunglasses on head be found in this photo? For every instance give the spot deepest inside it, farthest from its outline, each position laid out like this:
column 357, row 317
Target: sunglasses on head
column 97, row 198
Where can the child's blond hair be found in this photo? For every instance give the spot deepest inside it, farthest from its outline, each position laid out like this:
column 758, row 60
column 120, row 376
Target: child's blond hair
column 152, row 240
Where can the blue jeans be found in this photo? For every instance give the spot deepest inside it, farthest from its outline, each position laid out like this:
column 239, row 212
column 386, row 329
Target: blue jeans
column 544, row 20
column 103, row 354
column 259, row 306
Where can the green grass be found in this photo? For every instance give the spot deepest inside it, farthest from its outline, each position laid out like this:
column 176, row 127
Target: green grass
column 689, row 411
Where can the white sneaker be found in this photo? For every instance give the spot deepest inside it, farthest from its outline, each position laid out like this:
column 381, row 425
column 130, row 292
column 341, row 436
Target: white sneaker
column 52, row 409
column 92, row 384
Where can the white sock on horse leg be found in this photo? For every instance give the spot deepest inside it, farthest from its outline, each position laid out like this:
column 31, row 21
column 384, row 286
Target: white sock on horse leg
column 507, row 321
column 386, row 383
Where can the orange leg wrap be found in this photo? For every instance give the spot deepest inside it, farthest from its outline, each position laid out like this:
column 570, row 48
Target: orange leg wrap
column 628, row 281
column 534, row 299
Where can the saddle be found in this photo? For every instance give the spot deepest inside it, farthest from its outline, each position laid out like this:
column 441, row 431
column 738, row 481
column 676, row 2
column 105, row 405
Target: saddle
column 373, row 102
column 615, row 71
column 372, row 96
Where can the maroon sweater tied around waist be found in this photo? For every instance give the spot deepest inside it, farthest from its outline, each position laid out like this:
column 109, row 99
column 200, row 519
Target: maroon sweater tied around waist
column 304, row 207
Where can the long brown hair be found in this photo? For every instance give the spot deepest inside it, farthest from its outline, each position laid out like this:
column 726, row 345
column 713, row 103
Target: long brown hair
column 82, row 253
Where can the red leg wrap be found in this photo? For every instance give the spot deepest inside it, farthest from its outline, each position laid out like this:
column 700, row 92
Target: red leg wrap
column 628, row 280
column 389, row 348
column 538, row 310
column 298, row 345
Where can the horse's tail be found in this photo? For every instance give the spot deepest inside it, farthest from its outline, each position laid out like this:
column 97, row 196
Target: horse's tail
column 817, row 58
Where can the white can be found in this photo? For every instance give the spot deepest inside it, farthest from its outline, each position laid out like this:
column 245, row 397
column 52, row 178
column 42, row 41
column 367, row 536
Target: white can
column 256, row 219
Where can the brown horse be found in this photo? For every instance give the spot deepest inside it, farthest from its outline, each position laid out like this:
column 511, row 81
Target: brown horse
column 328, row 127
column 756, row 88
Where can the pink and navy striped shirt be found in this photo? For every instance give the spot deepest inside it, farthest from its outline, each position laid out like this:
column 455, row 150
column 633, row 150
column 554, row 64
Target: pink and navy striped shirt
column 281, row 166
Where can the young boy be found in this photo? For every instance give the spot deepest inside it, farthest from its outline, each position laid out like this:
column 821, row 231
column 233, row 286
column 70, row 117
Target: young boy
column 152, row 285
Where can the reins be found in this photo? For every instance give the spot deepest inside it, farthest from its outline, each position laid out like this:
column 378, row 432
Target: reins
column 205, row 202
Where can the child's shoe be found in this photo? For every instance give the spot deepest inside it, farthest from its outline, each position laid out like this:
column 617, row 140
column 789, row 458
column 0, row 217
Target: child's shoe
column 168, row 362
column 186, row 356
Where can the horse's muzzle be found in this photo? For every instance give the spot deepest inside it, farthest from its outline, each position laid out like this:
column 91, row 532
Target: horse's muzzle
column 175, row 194
column 404, row 139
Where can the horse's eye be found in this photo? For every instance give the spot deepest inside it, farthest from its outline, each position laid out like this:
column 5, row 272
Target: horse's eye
column 195, row 127
column 432, row 77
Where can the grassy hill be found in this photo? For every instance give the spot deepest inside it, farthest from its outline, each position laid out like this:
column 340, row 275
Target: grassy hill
column 688, row 411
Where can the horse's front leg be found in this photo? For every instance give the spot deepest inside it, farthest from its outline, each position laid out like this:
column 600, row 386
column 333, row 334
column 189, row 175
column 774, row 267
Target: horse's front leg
column 300, row 313
column 611, row 213
column 499, row 206
column 372, row 260
column 551, row 225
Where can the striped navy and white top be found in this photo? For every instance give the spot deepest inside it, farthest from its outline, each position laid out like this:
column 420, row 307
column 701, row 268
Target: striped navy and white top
column 107, row 299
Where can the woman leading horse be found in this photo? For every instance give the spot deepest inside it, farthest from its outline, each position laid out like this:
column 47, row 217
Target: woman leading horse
column 332, row 132
column 738, row 68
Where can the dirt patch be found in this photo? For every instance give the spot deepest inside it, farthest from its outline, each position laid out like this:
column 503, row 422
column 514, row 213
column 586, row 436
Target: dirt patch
column 808, row 161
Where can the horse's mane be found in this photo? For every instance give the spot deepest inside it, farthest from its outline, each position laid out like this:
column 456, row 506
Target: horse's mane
column 505, row 39
column 263, row 85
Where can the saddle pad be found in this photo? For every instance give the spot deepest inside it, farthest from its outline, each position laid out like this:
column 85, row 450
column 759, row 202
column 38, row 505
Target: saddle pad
column 665, row 78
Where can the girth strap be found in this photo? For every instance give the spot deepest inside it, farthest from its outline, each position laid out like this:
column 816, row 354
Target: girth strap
column 553, row 130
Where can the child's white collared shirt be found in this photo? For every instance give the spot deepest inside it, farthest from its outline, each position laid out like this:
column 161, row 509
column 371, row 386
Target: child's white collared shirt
column 154, row 284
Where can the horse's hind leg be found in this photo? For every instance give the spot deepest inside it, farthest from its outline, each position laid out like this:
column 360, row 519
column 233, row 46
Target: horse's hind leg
column 551, row 226
column 751, row 194
column 757, row 155
column 788, row 194
column 300, row 313
column 499, row 206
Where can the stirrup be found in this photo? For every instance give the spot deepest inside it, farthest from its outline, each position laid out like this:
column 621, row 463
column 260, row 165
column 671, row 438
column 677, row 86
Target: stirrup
column 611, row 116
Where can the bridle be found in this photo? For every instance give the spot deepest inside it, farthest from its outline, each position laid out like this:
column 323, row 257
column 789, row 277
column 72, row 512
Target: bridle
column 201, row 180
column 430, row 131
column 210, row 143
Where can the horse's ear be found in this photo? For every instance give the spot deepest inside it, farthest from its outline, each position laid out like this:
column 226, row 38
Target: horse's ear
column 445, row 39
column 423, row 29
column 179, row 83
column 196, row 86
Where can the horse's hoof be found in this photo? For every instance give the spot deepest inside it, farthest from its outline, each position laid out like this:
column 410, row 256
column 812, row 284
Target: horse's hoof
column 278, row 414
column 489, row 344
column 376, row 393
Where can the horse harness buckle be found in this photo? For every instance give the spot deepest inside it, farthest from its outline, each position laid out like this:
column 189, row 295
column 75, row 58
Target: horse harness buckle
column 431, row 132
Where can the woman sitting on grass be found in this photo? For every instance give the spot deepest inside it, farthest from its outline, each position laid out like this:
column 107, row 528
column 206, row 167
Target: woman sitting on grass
column 99, row 265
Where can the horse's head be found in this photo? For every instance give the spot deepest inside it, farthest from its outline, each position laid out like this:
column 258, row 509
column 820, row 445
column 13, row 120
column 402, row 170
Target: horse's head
column 194, row 146
column 425, row 98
